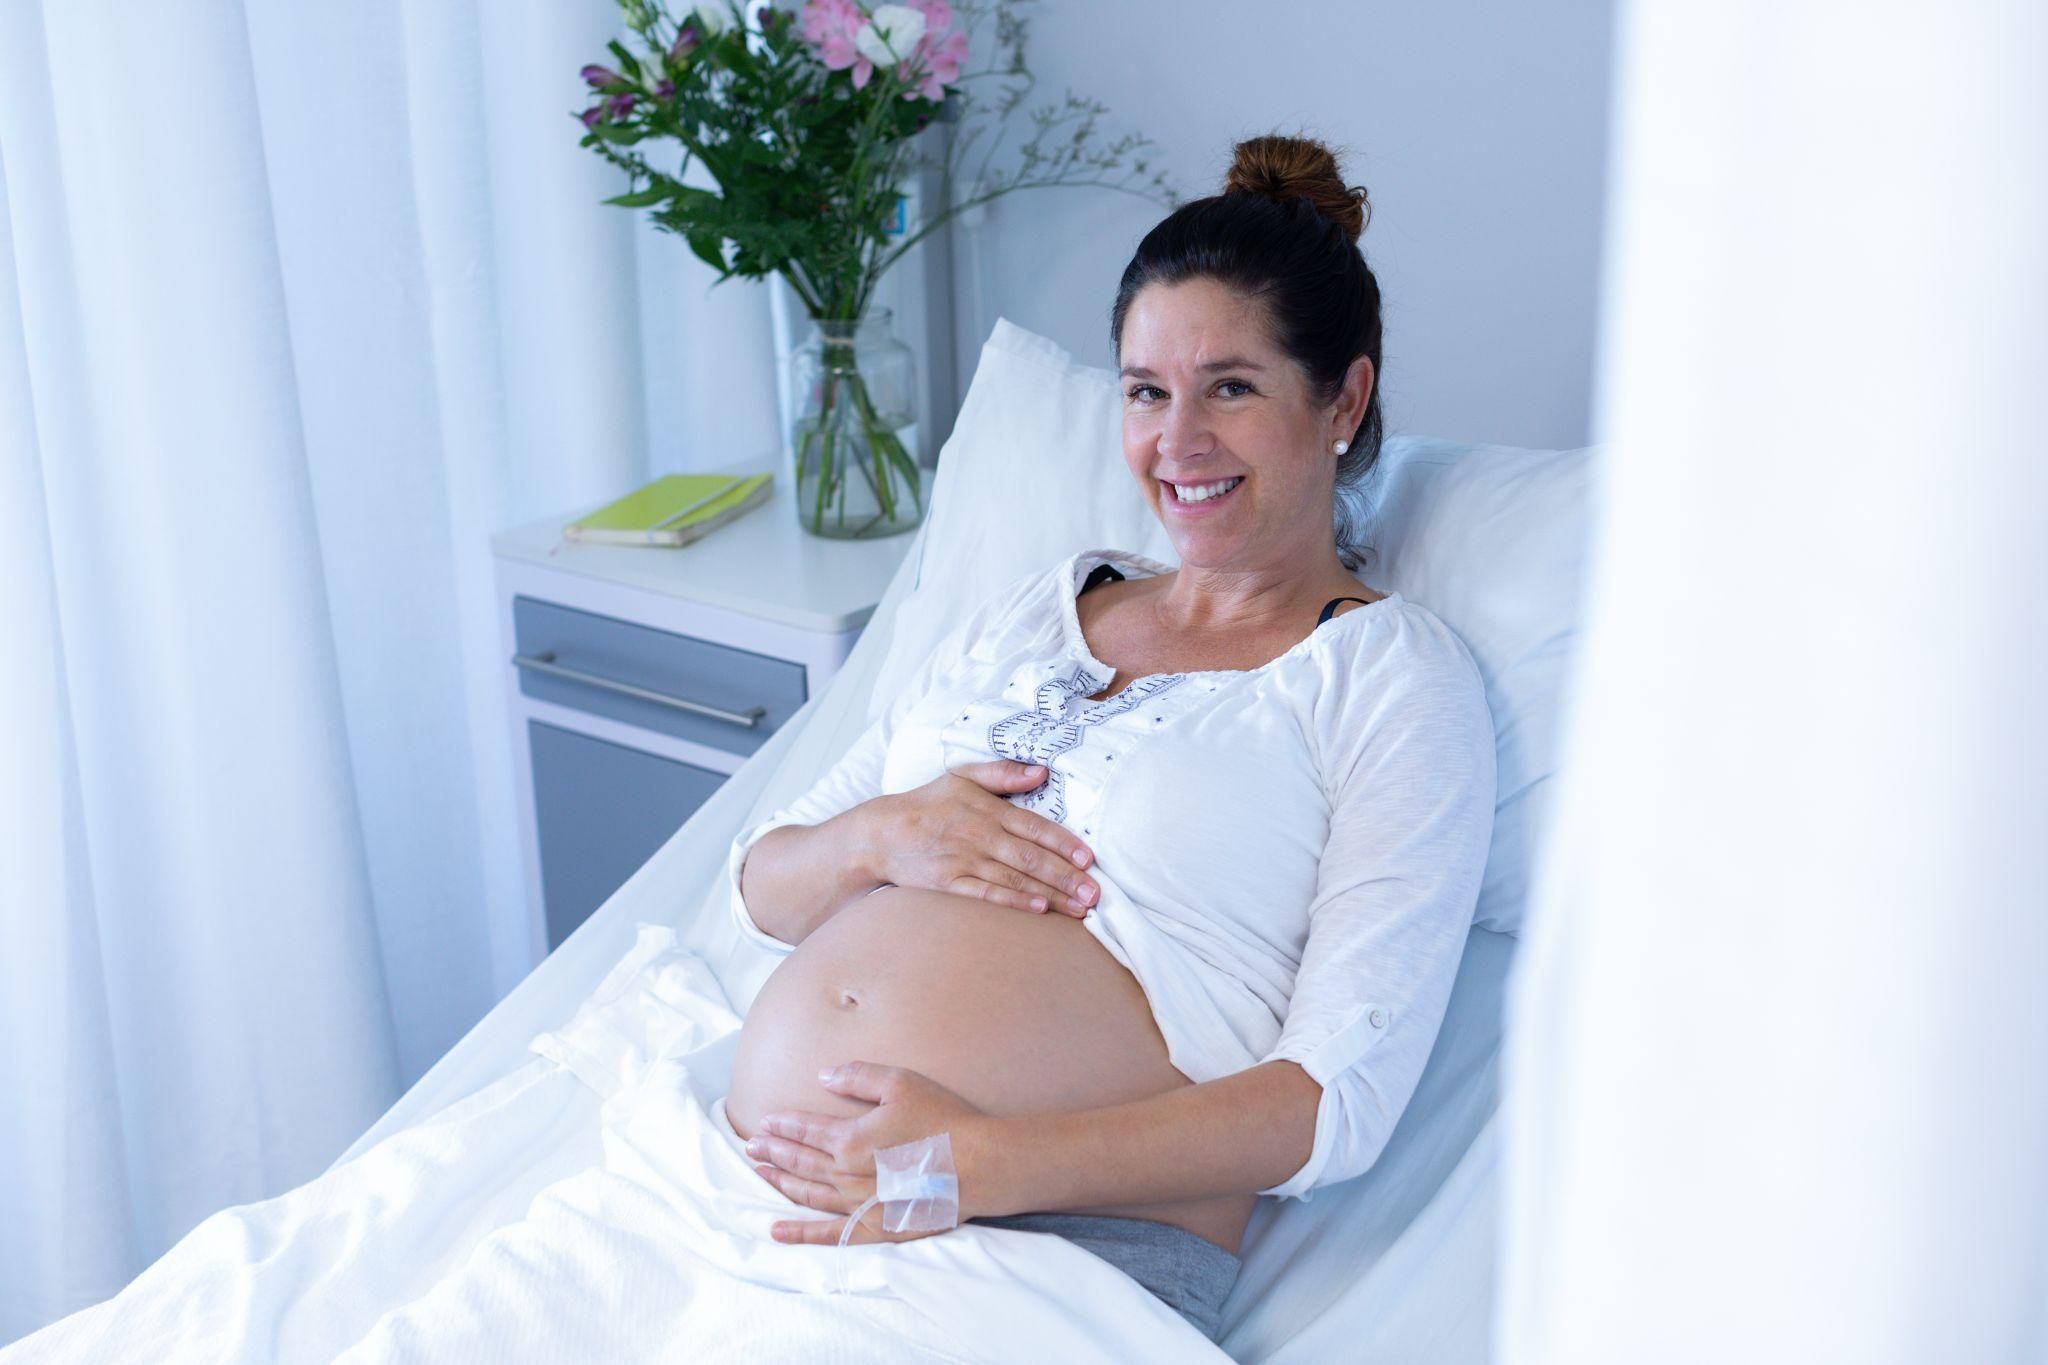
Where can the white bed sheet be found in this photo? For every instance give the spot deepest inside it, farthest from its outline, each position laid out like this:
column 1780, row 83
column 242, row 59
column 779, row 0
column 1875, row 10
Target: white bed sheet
column 595, row 1205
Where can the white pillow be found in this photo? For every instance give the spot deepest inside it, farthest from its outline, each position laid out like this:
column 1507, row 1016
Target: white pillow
column 1490, row 538
column 1493, row 539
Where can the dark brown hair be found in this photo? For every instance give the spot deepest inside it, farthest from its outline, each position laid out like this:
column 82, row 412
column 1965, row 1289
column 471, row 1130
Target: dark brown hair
column 1284, row 231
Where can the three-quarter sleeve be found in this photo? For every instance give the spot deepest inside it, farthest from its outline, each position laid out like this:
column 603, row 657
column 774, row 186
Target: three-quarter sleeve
column 857, row 776
column 1410, row 826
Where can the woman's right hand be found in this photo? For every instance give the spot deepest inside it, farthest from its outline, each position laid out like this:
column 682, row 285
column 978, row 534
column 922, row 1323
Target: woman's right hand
column 956, row 833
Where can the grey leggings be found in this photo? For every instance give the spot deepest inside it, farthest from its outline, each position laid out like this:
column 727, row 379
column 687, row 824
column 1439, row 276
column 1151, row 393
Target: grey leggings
column 1189, row 1274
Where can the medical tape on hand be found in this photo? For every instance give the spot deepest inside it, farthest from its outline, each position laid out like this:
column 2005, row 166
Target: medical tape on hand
column 917, row 1188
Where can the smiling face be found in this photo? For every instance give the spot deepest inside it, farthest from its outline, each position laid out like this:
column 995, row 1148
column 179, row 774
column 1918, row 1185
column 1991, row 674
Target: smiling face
column 1221, row 432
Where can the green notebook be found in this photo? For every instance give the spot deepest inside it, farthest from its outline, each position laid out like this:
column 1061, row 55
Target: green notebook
column 673, row 510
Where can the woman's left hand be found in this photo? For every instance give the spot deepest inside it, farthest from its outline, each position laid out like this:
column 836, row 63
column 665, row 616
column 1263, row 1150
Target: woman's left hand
column 828, row 1163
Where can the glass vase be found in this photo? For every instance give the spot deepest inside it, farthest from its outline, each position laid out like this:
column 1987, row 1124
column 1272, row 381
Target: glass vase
column 854, row 433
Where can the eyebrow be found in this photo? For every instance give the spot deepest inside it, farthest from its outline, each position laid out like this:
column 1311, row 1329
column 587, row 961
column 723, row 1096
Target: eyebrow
column 1236, row 362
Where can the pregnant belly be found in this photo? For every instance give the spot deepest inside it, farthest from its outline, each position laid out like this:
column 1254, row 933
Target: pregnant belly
column 1014, row 1012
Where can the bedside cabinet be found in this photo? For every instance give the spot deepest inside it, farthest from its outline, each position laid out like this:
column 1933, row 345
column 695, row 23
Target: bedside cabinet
column 641, row 677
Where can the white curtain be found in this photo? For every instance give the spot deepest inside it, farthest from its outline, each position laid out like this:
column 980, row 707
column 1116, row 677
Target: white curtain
column 298, row 305
column 1778, row 1074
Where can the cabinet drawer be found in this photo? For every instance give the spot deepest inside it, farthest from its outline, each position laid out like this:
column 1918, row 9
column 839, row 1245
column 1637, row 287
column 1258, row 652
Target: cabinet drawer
column 730, row 699
column 601, row 810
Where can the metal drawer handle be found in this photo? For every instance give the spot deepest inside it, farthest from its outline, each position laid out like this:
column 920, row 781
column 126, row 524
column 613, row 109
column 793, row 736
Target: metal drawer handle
column 545, row 663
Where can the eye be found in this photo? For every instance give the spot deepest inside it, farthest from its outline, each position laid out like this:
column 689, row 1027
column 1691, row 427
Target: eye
column 1136, row 389
column 1238, row 382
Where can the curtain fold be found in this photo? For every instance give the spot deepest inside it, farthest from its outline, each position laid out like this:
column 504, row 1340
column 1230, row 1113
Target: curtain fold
column 297, row 307
column 1777, row 1075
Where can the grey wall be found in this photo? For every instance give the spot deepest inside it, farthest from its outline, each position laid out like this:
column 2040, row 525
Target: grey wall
column 1480, row 130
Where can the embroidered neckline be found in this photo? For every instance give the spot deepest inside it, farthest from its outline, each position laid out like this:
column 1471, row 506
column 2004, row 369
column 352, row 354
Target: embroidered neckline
column 1082, row 561
column 1057, row 722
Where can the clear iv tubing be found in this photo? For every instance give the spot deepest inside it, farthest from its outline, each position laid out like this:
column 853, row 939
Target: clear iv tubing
column 846, row 1235
column 917, row 1189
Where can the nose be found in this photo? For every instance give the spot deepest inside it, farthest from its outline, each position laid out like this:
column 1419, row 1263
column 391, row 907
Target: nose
column 1184, row 432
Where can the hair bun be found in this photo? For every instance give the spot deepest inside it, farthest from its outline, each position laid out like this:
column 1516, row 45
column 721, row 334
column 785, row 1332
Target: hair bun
column 1286, row 167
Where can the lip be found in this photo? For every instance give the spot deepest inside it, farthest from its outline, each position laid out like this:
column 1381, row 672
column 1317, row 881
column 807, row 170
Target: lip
column 1205, row 507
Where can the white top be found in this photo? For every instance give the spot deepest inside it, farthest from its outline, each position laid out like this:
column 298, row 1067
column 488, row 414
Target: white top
column 1289, row 856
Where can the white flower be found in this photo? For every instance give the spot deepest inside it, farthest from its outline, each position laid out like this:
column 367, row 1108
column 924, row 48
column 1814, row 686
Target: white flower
column 901, row 25
column 712, row 19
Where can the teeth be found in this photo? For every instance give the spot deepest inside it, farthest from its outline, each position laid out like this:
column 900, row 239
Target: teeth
column 1202, row 492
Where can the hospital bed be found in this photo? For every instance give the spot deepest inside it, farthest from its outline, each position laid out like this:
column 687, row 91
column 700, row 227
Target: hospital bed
column 1395, row 1266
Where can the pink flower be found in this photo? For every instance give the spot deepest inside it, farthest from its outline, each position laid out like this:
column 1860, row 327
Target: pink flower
column 937, row 59
column 829, row 27
column 837, row 30
column 938, row 65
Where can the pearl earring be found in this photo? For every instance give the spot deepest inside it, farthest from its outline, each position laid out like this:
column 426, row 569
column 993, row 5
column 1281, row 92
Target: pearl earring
column 1343, row 446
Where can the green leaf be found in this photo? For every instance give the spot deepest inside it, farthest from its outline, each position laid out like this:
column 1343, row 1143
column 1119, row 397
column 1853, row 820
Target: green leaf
column 626, row 59
column 710, row 249
column 640, row 199
column 739, row 60
column 691, row 200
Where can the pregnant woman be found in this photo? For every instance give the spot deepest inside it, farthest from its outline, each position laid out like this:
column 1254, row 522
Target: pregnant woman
column 1149, row 888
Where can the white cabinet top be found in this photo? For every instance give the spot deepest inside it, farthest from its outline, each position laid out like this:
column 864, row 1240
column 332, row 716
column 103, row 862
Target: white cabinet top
column 762, row 565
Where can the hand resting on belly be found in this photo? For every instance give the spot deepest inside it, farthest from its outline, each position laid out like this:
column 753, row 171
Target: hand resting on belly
column 1013, row 1011
column 954, row 834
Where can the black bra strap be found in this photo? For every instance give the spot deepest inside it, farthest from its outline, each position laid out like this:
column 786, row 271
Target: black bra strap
column 1103, row 573
column 1330, row 607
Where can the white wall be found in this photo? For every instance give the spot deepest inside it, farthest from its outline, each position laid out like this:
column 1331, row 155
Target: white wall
column 1479, row 129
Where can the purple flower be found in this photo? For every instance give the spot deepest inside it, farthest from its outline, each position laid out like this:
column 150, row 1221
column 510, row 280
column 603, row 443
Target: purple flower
column 665, row 89
column 685, row 43
column 618, row 105
column 593, row 116
column 598, row 77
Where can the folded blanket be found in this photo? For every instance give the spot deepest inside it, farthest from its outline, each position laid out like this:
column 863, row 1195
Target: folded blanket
column 596, row 1205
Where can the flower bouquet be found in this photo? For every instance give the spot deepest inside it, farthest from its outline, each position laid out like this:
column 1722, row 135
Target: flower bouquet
column 806, row 121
